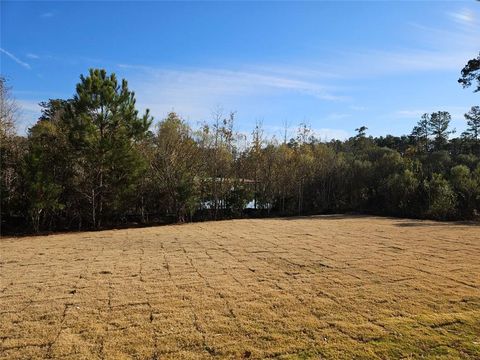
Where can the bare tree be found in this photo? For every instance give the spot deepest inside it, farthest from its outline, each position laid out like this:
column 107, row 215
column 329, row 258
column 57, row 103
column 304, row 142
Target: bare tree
column 9, row 111
column 10, row 149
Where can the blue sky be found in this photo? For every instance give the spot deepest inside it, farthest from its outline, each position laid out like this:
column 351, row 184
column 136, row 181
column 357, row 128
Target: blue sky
column 333, row 65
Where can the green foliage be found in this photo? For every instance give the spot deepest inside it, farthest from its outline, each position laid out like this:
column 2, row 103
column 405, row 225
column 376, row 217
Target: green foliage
column 431, row 132
column 104, row 127
column 471, row 74
column 471, row 136
column 238, row 198
column 467, row 189
column 473, row 122
column 83, row 155
column 400, row 190
column 438, row 125
column 421, row 132
column 92, row 162
column 437, row 162
column 441, row 197
column 42, row 165
column 176, row 166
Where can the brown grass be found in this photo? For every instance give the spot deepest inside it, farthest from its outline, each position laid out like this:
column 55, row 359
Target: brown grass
column 320, row 287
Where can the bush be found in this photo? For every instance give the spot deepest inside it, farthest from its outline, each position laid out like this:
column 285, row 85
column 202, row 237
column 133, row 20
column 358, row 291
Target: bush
column 441, row 198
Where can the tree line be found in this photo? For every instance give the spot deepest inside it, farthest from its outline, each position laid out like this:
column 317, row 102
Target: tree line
column 93, row 161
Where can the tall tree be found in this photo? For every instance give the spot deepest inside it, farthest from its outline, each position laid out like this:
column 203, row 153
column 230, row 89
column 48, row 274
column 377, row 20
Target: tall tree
column 218, row 146
column 473, row 122
column 49, row 167
column 105, row 128
column 421, row 132
column 11, row 152
column 44, row 166
column 256, row 158
column 361, row 132
column 8, row 111
column 175, row 164
column 471, row 74
column 438, row 125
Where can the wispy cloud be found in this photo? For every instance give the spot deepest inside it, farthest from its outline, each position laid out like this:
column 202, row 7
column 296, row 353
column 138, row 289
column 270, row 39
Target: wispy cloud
column 457, row 112
column 254, row 89
column 358, row 108
column 337, row 116
column 226, row 81
column 409, row 114
column 419, row 60
column 385, row 62
column 196, row 91
column 431, row 49
column 14, row 58
column 463, row 16
column 48, row 14
column 29, row 105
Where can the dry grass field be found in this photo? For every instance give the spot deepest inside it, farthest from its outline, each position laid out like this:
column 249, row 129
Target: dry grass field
column 320, row 287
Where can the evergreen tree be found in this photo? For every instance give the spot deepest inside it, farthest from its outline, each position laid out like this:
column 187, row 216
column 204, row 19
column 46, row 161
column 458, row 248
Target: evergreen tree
column 44, row 165
column 438, row 124
column 471, row 73
column 473, row 122
column 421, row 132
column 104, row 129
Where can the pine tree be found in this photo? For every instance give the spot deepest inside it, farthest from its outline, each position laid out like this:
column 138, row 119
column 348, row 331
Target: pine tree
column 473, row 122
column 471, row 74
column 104, row 128
column 438, row 125
column 421, row 132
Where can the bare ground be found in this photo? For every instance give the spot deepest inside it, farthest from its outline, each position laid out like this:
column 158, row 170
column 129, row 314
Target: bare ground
column 319, row 287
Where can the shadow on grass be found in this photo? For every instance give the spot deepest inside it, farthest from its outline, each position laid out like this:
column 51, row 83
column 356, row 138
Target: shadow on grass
column 327, row 217
column 431, row 223
column 402, row 222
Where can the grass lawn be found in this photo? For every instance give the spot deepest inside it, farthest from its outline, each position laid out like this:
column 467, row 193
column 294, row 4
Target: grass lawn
column 326, row 287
